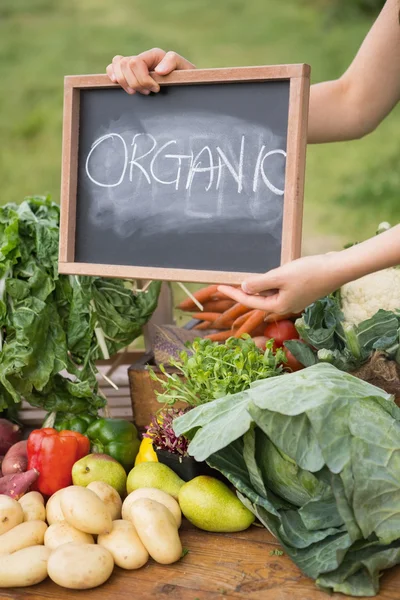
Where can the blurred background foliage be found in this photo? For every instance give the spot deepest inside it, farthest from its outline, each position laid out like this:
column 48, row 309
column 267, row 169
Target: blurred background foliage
column 350, row 187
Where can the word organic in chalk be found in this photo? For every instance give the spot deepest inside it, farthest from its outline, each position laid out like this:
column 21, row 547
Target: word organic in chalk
column 144, row 158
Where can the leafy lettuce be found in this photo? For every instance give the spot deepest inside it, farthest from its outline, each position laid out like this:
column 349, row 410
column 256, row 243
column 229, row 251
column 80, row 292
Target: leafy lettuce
column 330, row 339
column 315, row 455
column 52, row 327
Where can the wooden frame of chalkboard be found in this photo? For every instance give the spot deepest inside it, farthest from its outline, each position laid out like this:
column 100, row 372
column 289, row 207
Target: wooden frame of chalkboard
column 298, row 77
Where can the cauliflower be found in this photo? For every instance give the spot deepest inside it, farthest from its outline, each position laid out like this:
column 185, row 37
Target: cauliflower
column 361, row 299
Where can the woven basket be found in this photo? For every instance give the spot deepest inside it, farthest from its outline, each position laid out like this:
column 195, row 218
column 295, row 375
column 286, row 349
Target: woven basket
column 383, row 373
column 143, row 390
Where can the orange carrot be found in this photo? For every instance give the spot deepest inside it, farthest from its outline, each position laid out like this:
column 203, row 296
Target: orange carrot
column 219, row 306
column 221, row 336
column 231, row 314
column 240, row 320
column 254, row 320
column 203, row 325
column 206, row 316
column 201, row 295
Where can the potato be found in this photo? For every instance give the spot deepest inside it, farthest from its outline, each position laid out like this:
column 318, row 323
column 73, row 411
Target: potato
column 154, row 494
column 80, row 566
column 125, row 546
column 54, row 513
column 24, row 567
column 157, row 529
column 62, row 533
column 23, row 535
column 84, row 510
column 109, row 496
column 11, row 513
column 33, row 506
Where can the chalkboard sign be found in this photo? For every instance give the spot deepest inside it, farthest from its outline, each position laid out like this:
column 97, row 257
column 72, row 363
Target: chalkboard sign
column 200, row 182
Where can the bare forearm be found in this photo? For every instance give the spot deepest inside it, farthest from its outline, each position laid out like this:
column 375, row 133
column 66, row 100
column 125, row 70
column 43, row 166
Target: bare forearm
column 375, row 254
column 353, row 105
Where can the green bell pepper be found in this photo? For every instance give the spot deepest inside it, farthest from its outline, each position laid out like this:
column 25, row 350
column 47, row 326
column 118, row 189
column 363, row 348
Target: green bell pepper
column 78, row 423
column 117, row 438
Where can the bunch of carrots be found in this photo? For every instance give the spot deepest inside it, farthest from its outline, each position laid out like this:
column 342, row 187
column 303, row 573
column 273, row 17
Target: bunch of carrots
column 227, row 316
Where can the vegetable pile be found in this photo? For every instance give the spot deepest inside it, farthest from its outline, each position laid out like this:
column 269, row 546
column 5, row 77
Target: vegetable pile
column 315, row 456
column 64, row 547
column 226, row 317
column 211, row 370
column 53, row 328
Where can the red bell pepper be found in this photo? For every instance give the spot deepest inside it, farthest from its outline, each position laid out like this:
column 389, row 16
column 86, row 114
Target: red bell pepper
column 53, row 453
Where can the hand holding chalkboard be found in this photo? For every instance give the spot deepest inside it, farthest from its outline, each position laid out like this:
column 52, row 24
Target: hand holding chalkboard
column 132, row 72
column 201, row 182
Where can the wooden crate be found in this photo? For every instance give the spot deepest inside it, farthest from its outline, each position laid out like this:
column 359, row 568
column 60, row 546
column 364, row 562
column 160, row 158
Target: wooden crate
column 143, row 390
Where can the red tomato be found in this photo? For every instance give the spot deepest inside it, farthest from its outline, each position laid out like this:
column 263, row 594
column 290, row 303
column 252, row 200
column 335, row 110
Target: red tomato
column 280, row 332
column 260, row 341
column 292, row 363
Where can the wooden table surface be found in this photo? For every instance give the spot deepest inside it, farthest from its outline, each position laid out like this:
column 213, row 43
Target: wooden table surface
column 217, row 567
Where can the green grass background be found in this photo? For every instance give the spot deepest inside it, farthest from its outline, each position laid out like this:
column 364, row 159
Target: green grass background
column 350, row 187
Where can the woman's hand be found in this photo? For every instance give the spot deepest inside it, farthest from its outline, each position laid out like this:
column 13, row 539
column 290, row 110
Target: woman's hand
column 290, row 288
column 132, row 72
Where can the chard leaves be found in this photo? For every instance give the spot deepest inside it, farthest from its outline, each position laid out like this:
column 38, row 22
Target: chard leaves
column 50, row 325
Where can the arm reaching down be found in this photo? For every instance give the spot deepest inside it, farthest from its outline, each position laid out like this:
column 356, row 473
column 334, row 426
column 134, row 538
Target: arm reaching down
column 292, row 287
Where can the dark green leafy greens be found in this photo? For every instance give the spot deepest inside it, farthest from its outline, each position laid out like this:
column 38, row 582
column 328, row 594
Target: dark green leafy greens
column 211, row 370
column 330, row 339
column 315, row 455
column 53, row 328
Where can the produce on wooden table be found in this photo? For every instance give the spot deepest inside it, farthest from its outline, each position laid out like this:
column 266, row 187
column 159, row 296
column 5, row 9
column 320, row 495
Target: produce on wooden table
column 280, row 332
column 54, row 513
column 33, row 506
column 24, row 567
column 79, row 423
column 161, row 434
column 21, row 536
column 49, row 359
column 222, row 313
column 84, row 510
column 16, row 459
column 66, row 549
column 10, row 434
column 99, row 467
column 79, row 566
column 146, row 452
column 109, row 496
column 116, row 437
column 63, row 533
column 53, row 454
column 11, row 514
column 153, row 494
column 210, row 505
column 157, row 529
column 17, row 484
column 211, row 370
column 292, row 364
column 125, row 545
column 154, row 475
column 314, row 455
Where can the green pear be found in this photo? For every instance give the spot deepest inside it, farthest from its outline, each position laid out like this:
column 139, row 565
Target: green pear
column 99, row 467
column 154, row 475
column 210, row 505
